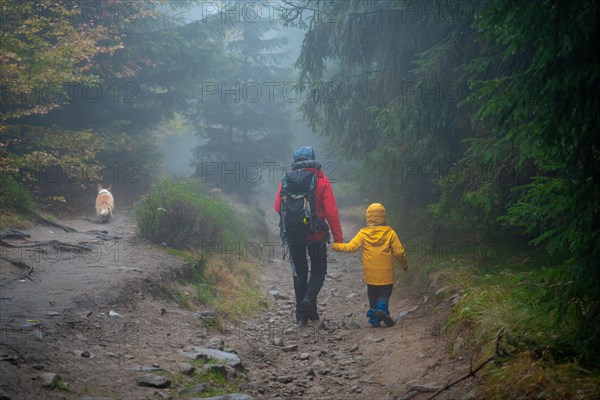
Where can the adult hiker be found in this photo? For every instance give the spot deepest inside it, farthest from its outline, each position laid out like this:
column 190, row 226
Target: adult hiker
column 307, row 209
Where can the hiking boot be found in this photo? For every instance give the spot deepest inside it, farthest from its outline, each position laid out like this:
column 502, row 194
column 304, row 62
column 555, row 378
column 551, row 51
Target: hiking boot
column 309, row 310
column 387, row 320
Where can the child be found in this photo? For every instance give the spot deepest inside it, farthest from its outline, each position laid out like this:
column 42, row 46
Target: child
column 380, row 245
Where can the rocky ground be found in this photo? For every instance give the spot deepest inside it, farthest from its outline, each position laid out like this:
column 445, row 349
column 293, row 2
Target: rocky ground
column 87, row 314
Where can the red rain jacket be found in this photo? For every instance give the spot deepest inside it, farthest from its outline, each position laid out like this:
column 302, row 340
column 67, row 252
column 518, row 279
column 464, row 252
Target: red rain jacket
column 326, row 207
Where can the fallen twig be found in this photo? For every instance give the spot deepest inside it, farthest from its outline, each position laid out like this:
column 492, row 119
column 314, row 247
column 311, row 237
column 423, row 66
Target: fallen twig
column 472, row 371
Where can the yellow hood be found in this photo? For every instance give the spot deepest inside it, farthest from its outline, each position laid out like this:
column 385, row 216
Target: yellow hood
column 376, row 215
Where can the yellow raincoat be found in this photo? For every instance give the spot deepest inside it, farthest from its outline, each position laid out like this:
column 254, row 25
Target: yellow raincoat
column 380, row 245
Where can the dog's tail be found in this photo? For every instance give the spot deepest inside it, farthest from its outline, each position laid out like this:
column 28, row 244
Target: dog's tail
column 105, row 213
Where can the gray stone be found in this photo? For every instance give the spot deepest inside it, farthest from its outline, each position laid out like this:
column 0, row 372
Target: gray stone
column 49, row 379
column 232, row 396
column 350, row 325
column 427, row 388
column 204, row 353
column 152, row 380
column 208, row 314
column 291, row 347
column 3, row 395
column 472, row 394
column 140, row 368
column 93, row 398
column 215, row 342
column 285, row 379
column 278, row 341
column 186, row 369
column 291, row 331
column 198, row 388
column 278, row 296
column 52, row 313
column 304, row 356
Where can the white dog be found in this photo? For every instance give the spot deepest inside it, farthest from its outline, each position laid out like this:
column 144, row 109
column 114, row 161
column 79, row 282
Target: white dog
column 105, row 203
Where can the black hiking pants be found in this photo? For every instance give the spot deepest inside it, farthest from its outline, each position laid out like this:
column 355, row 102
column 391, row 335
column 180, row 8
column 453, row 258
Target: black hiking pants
column 379, row 293
column 307, row 284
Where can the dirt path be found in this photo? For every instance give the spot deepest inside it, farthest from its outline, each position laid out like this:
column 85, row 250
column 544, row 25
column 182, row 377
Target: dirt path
column 59, row 321
column 342, row 357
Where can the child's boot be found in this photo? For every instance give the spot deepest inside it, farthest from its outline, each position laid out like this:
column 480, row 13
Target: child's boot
column 373, row 320
column 383, row 313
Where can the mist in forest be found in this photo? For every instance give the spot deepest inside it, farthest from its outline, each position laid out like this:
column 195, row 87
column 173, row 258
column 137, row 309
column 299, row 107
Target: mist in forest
column 472, row 121
column 241, row 141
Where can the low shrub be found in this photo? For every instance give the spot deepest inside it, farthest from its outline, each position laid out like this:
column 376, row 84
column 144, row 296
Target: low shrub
column 177, row 213
column 13, row 196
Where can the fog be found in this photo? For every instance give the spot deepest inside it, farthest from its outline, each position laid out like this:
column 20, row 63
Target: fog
column 248, row 108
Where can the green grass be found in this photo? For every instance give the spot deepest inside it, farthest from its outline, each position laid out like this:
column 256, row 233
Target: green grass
column 15, row 202
column 516, row 295
column 219, row 383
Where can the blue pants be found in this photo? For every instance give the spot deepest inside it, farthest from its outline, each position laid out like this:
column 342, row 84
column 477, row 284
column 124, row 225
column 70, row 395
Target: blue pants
column 379, row 297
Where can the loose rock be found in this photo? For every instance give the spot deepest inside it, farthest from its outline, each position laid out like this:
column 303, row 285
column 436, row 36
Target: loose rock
column 186, row 369
column 152, row 380
column 49, row 380
column 221, row 356
column 215, row 342
column 199, row 388
column 291, row 347
column 91, row 398
column 278, row 296
column 140, row 368
column 285, row 379
column 208, row 314
column 232, row 396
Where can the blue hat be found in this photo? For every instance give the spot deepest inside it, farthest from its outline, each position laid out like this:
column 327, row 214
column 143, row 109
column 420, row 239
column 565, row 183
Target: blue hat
column 303, row 153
